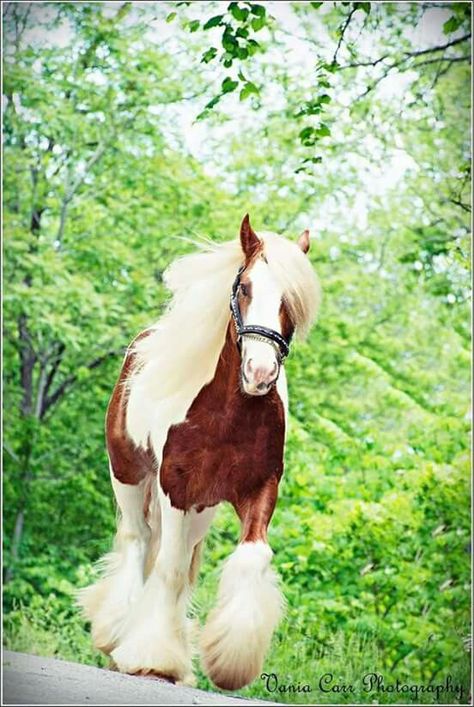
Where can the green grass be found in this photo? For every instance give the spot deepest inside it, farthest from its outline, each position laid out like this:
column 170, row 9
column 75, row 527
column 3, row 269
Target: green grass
column 49, row 627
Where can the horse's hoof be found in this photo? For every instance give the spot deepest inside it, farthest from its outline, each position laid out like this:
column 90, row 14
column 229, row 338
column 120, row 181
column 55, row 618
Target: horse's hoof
column 154, row 675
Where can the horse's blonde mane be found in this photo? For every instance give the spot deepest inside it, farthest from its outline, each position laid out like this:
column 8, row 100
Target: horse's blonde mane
column 179, row 355
column 191, row 332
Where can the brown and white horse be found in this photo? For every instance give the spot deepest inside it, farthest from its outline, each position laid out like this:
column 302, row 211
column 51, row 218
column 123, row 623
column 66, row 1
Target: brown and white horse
column 198, row 417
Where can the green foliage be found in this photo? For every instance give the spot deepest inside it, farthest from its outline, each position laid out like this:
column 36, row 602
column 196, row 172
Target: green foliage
column 371, row 530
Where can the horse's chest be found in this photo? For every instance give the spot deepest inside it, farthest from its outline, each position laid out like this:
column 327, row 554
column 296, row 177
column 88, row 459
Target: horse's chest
column 226, row 448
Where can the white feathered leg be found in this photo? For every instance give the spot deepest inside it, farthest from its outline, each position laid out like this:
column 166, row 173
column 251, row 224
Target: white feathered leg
column 107, row 603
column 156, row 636
column 238, row 631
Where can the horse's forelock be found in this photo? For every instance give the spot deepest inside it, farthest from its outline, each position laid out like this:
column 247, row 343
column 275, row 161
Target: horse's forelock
column 296, row 276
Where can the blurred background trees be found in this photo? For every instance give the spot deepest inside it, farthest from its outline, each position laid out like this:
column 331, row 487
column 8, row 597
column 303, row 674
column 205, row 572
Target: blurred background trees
column 128, row 126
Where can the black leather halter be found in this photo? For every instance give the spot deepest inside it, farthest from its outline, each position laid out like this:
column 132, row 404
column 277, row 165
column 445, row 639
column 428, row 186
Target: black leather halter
column 255, row 331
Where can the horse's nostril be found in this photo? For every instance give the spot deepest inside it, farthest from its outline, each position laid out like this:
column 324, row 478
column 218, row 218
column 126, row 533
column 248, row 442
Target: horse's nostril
column 262, row 386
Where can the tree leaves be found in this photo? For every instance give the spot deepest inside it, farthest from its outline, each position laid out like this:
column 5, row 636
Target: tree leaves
column 237, row 45
column 239, row 13
column 213, row 22
column 315, row 106
column 452, row 24
column 258, row 23
column 309, row 136
column 209, row 55
column 228, row 85
column 365, row 6
column 461, row 17
column 249, row 89
column 257, row 10
column 194, row 25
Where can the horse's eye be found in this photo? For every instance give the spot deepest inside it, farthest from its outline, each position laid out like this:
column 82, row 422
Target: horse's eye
column 244, row 290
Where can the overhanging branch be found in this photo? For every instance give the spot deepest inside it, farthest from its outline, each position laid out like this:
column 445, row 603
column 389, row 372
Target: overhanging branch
column 343, row 31
column 405, row 61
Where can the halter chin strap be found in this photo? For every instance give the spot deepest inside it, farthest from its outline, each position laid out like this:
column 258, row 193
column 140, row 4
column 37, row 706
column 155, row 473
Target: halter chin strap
column 255, row 331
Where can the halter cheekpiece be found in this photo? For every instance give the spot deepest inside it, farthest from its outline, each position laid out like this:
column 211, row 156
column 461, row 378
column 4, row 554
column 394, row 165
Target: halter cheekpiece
column 255, row 331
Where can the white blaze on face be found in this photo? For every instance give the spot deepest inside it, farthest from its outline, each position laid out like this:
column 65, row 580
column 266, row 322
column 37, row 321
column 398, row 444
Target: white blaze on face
column 259, row 359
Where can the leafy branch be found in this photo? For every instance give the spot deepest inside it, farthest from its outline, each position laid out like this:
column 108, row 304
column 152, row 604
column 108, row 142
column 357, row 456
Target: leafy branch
column 239, row 24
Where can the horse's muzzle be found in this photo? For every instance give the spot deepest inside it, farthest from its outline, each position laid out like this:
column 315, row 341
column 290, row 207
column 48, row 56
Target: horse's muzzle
column 258, row 385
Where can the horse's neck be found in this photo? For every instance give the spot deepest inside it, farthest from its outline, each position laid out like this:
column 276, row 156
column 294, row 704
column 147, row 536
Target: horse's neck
column 226, row 384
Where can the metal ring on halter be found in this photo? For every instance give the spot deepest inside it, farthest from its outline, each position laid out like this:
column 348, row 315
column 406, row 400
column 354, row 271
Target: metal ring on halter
column 255, row 331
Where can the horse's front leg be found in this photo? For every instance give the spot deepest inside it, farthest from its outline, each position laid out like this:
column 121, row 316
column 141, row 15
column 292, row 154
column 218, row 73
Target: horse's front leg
column 155, row 638
column 238, row 631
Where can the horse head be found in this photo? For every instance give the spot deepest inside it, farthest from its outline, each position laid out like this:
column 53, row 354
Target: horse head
column 263, row 320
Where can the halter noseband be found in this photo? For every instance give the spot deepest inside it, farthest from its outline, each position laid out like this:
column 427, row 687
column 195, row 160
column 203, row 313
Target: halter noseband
column 255, row 331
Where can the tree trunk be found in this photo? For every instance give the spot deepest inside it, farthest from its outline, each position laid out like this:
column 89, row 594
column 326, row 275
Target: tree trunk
column 16, row 540
column 27, row 362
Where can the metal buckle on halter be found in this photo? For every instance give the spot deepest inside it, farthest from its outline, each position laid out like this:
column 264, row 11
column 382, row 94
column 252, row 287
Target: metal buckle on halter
column 255, row 331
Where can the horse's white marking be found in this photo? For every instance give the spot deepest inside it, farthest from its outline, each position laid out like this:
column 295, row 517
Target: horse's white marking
column 259, row 359
column 238, row 631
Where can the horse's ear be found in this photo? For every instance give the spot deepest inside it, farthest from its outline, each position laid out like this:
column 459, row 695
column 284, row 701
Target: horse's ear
column 304, row 241
column 248, row 238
